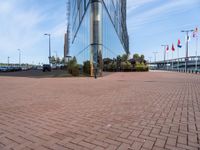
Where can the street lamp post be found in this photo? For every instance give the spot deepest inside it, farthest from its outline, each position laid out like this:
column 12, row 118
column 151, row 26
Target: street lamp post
column 155, row 53
column 165, row 46
column 56, row 53
column 8, row 60
column 49, row 35
column 19, row 57
column 150, row 59
column 187, row 46
column 56, row 57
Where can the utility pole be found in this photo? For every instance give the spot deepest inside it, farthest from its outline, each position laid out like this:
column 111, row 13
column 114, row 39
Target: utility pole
column 19, row 57
column 49, row 35
column 165, row 48
column 187, row 47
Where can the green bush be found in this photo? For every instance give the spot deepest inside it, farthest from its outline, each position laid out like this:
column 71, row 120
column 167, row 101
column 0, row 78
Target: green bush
column 141, row 67
column 126, row 66
column 105, row 67
column 71, row 64
column 75, row 70
column 70, row 67
column 112, row 66
column 86, row 67
column 73, row 67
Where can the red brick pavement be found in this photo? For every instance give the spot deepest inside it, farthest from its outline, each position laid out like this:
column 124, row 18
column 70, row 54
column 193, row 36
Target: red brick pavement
column 123, row 111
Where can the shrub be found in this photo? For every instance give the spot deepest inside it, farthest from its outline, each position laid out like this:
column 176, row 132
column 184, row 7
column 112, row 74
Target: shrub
column 141, row 67
column 73, row 67
column 70, row 67
column 112, row 66
column 126, row 66
column 86, row 67
column 75, row 70
column 124, row 57
column 71, row 64
column 105, row 67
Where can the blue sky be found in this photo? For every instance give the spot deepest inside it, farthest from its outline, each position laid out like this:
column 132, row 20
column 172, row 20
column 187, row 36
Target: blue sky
column 150, row 24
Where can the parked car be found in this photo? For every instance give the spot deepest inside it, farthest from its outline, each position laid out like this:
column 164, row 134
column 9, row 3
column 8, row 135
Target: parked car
column 13, row 69
column 3, row 69
column 39, row 67
column 10, row 69
column 46, row 67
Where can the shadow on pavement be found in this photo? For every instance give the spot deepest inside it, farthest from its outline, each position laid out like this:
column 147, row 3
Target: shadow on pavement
column 36, row 74
column 41, row 74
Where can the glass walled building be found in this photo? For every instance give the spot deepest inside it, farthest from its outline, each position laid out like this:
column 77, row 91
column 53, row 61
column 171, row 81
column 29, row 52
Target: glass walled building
column 98, row 30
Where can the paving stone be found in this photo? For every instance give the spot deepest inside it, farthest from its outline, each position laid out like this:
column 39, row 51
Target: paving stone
column 133, row 111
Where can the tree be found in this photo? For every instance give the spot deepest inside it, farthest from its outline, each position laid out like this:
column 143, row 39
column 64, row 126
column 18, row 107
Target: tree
column 142, row 58
column 53, row 60
column 136, row 56
column 86, row 67
column 71, row 64
column 124, row 57
column 62, row 61
column 74, row 60
column 58, row 61
column 119, row 59
column 112, row 66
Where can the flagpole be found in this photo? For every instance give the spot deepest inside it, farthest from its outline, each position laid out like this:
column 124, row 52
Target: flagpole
column 167, row 61
column 165, row 49
column 185, row 66
column 187, row 43
column 178, row 59
column 172, row 62
column 196, row 65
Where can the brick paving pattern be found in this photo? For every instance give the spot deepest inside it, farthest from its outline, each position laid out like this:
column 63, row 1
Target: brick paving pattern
column 121, row 111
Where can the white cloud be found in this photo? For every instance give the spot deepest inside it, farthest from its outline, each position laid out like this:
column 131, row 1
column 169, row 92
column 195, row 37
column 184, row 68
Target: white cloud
column 23, row 26
column 134, row 4
column 157, row 13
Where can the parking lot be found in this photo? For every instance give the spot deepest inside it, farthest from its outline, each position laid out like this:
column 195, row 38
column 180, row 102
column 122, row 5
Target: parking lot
column 123, row 111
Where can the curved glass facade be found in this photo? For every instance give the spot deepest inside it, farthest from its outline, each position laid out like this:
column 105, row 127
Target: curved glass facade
column 98, row 30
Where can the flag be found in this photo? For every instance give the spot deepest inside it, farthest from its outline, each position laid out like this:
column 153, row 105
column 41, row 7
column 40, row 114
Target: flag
column 196, row 30
column 187, row 38
column 173, row 49
column 195, row 33
column 167, row 49
column 179, row 43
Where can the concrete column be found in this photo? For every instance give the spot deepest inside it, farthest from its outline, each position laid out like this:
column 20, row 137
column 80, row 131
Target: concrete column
column 96, row 62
